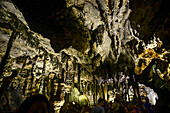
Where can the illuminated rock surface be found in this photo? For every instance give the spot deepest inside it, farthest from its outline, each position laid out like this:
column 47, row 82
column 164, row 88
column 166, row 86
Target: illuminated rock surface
column 47, row 46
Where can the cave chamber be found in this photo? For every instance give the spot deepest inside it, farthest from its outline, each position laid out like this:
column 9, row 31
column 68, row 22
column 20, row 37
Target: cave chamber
column 77, row 51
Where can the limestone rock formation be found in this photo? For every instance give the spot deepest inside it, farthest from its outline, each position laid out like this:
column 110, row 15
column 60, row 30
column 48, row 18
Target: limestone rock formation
column 103, row 45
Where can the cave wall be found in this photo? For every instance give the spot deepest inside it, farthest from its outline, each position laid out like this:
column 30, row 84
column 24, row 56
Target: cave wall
column 29, row 64
column 47, row 43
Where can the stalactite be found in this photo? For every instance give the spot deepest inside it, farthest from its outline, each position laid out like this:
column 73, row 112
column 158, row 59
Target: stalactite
column 124, row 91
column 7, row 100
column 59, row 89
column 103, row 90
column 134, row 85
column 32, row 69
column 19, row 85
column 43, row 73
column 24, row 64
column 128, row 92
column 107, row 93
column 74, row 69
column 52, row 97
column 62, row 75
column 28, row 87
column 6, row 56
column 102, row 10
column 93, row 90
column 48, row 85
column 96, row 87
column 37, row 85
column 79, row 74
column 73, row 77
column 24, row 87
column 6, row 82
column 137, row 88
column 44, row 91
column 67, row 73
column 117, row 79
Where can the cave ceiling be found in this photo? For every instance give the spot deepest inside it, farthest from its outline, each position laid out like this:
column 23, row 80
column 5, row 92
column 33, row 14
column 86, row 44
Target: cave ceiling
column 103, row 36
column 150, row 18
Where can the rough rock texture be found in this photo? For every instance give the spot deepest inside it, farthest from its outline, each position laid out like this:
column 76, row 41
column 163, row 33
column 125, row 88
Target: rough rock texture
column 153, row 16
column 103, row 45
